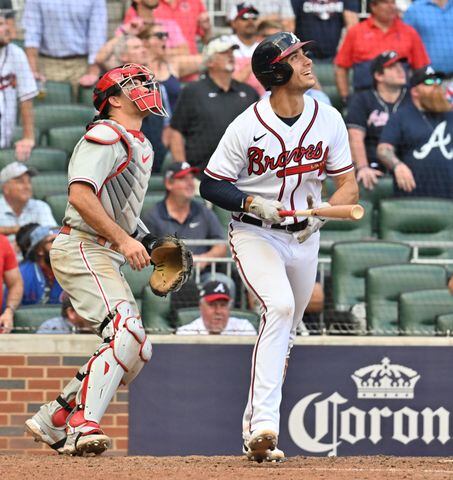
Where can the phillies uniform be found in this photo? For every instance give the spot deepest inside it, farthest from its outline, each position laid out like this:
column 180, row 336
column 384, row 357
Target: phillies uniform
column 264, row 156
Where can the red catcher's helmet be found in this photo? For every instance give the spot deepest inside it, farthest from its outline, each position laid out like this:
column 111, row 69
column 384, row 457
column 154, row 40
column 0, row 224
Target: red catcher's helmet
column 137, row 82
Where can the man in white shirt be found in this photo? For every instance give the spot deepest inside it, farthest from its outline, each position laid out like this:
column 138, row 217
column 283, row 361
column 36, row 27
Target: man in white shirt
column 214, row 319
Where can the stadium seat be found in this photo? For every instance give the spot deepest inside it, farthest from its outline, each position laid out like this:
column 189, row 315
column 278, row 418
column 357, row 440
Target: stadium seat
column 151, row 200
column 43, row 159
column 65, row 138
column 136, row 279
column 418, row 219
column 224, row 216
column 28, row 319
column 187, row 315
column 156, row 183
column 49, row 116
column 384, row 284
column 55, row 93
column 348, row 230
column 47, row 184
column 86, row 96
column 417, row 311
column 335, row 98
column 444, row 324
column 325, row 73
column 58, row 205
column 19, row 132
column 349, row 263
column 155, row 313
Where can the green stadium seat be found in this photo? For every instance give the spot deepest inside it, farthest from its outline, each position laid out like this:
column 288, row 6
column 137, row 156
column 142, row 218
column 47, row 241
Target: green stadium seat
column 43, row 159
column 155, row 313
column 85, row 96
column 384, row 284
column 55, row 93
column 224, row 216
column 444, row 324
column 156, row 183
column 58, row 205
column 65, row 138
column 349, row 263
column 137, row 280
column 417, row 311
column 348, row 230
column 151, row 200
column 50, row 116
column 27, row 319
column 187, row 315
column 19, row 132
column 418, row 219
column 47, row 184
column 325, row 72
column 335, row 98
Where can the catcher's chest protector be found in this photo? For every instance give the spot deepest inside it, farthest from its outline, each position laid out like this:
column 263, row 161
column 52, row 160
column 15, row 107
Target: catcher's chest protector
column 124, row 190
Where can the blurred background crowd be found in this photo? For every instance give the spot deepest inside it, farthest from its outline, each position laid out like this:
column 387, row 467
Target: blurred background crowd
column 386, row 65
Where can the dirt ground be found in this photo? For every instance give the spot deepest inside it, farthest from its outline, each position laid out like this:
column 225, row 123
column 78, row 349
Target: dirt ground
column 24, row 467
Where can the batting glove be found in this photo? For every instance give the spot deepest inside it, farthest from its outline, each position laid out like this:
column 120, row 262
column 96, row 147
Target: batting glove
column 314, row 223
column 267, row 210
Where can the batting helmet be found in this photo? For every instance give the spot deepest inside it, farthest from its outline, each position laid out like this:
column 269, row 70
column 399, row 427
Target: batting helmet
column 267, row 59
column 137, row 82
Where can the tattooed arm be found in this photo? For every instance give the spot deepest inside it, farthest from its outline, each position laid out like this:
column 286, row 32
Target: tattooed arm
column 403, row 174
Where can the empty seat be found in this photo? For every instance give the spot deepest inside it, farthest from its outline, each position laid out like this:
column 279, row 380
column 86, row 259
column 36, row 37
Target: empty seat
column 418, row 219
column 155, row 313
column 137, row 279
column 86, row 96
column 58, row 205
column 47, row 184
column 151, row 200
column 444, row 324
column 28, row 319
column 187, row 315
column 50, row 116
column 156, row 183
column 349, row 263
column 55, row 93
column 417, row 311
column 19, row 133
column 65, row 138
column 43, row 159
column 384, row 284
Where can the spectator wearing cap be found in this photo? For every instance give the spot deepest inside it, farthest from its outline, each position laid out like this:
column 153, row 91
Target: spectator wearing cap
column 369, row 111
column 62, row 40
column 178, row 213
column 6, row 7
column 206, row 107
column 40, row 284
column 433, row 20
column 68, row 322
column 11, row 282
column 382, row 31
column 17, row 207
column 323, row 22
column 244, row 21
column 417, row 142
column 18, row 87
column 215, row 304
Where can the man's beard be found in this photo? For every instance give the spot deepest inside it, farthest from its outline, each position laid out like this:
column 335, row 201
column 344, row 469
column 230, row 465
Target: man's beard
column 435, row 101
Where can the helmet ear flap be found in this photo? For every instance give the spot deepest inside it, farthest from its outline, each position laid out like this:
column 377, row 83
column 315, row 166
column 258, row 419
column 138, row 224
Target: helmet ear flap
column 282, row 73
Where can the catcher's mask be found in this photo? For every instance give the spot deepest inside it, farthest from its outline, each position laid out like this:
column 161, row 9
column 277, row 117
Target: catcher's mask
column 137, row 82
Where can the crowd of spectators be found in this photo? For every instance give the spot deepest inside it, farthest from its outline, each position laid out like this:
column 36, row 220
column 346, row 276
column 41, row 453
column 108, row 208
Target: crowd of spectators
column 397, row 107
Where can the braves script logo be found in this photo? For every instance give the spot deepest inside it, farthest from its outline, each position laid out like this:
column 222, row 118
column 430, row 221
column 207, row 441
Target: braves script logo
column 260, row 163
column 438, row 139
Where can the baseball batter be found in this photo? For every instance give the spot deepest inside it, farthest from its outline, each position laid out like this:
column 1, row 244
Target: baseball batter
column 273, row 157
column 108, row 178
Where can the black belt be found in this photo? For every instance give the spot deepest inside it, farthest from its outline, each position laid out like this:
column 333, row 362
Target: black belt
column 291, row 228
column 68, row 57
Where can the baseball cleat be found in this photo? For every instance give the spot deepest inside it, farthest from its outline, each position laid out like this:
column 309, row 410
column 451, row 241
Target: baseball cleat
column 275, row 455
column 260, row 444
column 43, row 429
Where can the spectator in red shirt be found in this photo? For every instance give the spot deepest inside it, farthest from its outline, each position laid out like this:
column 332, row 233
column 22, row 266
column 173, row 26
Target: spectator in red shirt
column 11, row 278
column 383, row 30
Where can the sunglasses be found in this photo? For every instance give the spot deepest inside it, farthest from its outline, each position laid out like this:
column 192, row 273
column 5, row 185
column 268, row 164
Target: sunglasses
column 249, row 16
column 160, row 35
column 433, row 81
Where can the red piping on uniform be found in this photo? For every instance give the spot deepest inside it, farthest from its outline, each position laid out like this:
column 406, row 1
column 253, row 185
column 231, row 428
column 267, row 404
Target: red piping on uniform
column 221, row 177
column 263, row 323
column 330, row 172
column 279, row 138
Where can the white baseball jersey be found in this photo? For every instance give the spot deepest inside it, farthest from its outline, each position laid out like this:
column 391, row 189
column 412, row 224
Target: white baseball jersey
column 264, row 156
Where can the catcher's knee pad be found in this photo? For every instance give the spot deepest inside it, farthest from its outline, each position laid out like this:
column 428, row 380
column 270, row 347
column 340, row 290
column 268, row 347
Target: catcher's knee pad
column 126, row 346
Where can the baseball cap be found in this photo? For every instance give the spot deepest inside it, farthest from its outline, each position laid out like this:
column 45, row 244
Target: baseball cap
column 38, row 235
column 422, row 74
column 14, row 170
column 215, row 290
column 179, row 170
column 386, row 59
column 218, row 45
column 243, row 10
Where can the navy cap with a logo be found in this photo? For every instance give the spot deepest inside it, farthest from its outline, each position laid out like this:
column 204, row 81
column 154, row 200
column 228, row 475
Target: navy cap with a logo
column 386, row 59
column 215, row 290
column 179, row 170
column 422, row 74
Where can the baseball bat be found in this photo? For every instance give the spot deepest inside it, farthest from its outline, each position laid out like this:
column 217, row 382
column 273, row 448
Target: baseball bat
column 339, row 212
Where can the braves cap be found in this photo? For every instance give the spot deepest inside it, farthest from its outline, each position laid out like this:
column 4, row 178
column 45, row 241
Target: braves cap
column 243, row 10
column 422, row 74
column 14, row 170
column 218, row 45
column 215, row 290
column 179, row 170
column 386, row 59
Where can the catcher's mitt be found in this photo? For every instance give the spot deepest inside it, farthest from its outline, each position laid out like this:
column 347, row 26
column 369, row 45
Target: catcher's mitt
column 172, row 262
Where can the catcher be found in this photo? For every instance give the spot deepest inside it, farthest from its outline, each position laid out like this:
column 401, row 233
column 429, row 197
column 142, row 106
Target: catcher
column 108, row 178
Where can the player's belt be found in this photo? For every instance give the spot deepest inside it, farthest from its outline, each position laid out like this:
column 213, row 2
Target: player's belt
column 103, row 242
column 293, row 227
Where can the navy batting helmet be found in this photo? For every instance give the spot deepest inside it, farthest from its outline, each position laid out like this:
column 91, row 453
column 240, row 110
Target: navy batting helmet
column 267, row 59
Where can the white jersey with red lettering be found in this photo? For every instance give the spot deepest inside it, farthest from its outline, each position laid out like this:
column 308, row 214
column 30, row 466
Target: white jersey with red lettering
column 264, row 156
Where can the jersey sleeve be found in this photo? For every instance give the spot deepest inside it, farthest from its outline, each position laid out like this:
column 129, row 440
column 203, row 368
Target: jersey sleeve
column 26, row 84
column 91, row 163
column 339, row 160
column 230, row 156
column 357, row 115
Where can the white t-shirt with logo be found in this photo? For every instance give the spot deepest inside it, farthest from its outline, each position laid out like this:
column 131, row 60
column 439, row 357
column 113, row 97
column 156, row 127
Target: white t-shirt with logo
column 235, row 326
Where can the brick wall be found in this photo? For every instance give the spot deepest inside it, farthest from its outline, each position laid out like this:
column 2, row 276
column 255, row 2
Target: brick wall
column 27, row 381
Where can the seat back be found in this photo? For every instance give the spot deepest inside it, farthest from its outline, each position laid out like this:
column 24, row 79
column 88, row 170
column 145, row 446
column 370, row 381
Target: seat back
column 41, row 158
column 187, row 315
column 385, row 283
column 417, row 311
column 155, row 313
column 422, row 219
column 57, row 203
column 444, row 324
column 49, row 184
column 65, row 138
column 137, row 279
column 28, row 319
column 47, row 116
column 156, row 184
column 350, row 261
column 55, row 93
